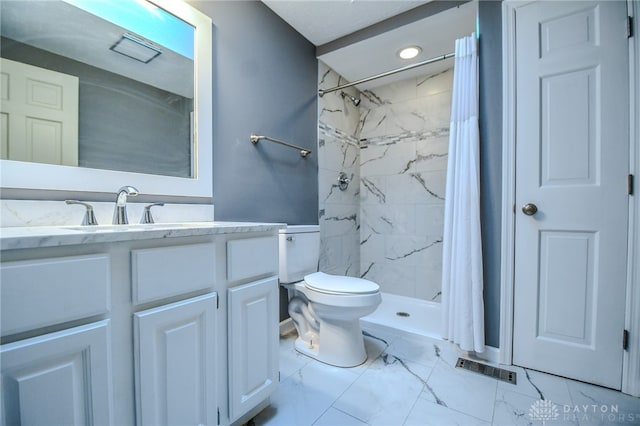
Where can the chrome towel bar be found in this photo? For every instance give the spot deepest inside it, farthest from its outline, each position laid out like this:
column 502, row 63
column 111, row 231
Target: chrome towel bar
column 303, row 151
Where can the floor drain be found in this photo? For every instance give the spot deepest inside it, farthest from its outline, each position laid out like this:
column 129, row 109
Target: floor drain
column 403, row 314
column 487, row 370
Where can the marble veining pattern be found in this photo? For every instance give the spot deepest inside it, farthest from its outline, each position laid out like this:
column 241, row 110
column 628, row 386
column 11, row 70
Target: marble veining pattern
column 406, row 136
column 338, row 151
column 404, row 131
column 27, row 213
column 14, row 238
column 412, row 380
column 388, row 225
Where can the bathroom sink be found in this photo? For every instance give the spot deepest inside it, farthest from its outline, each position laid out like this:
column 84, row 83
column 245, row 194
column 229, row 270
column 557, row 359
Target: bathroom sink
column 130, row 227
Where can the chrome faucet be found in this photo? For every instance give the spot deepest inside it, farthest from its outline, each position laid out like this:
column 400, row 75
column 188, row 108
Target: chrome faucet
column 120, row 212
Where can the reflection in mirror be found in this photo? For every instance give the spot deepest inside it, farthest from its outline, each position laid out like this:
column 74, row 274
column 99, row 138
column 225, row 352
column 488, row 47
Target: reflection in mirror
column 39, row 180
column 108, row 85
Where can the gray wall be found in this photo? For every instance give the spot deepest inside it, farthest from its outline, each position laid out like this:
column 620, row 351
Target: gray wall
column 265, row 81
column 490, row 23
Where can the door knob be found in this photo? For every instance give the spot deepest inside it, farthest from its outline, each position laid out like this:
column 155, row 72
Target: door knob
column 529, row 209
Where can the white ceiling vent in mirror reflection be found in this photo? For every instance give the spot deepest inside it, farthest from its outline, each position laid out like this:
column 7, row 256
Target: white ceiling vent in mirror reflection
column 146, row 20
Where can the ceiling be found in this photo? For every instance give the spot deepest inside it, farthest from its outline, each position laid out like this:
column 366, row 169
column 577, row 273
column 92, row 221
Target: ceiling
column 324, row 21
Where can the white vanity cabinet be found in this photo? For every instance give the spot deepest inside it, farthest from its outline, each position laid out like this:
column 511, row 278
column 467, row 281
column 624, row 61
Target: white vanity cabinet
column 159, row 327
column 175, row 344
column 253, row 330
column 57, row 376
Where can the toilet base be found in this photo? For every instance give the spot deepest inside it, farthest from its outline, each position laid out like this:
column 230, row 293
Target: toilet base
column 341, row 344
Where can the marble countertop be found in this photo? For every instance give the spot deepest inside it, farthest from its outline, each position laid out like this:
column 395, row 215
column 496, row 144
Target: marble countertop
column 13, row 238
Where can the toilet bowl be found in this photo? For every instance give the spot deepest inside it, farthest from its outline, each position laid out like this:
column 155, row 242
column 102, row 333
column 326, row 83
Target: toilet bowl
column 335, row 317
column 325, row 309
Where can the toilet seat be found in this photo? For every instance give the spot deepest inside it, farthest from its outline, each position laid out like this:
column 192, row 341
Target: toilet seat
column 339, row 285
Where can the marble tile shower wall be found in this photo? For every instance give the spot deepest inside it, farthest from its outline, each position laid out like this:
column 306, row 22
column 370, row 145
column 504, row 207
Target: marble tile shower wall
column 404, row 135
column 338, row 151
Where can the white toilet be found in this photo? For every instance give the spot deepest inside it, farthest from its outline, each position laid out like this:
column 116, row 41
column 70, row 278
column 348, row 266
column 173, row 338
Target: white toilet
column 326, row 309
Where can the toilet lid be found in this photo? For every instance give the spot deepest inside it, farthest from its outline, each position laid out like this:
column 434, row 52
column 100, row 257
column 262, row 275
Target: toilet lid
column 335, row 284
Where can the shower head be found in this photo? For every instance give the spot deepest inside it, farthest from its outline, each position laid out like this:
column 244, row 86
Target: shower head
column 356, row 101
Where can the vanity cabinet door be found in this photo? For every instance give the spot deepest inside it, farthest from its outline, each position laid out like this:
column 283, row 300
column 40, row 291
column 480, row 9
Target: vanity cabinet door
column 62, row 378
column 175, row 363
column 253, row 344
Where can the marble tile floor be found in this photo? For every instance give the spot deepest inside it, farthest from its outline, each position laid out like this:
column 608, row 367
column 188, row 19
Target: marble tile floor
column 412, row 380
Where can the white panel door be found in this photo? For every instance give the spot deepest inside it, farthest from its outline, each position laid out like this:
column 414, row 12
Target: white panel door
column 62, row 378
column 572, row 153
column 175, row 363
column 253, row 344
column 39, row 110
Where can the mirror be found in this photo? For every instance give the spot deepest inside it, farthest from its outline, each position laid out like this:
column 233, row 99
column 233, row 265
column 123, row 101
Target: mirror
column 122, row 98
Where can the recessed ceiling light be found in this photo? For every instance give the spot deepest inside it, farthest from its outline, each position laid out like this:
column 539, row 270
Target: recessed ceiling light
column 409, row 52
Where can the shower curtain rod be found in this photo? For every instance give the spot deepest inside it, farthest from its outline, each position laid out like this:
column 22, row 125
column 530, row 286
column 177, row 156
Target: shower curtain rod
column 322, row 92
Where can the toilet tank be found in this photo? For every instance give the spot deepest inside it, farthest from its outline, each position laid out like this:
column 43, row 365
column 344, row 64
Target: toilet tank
column 299, row 251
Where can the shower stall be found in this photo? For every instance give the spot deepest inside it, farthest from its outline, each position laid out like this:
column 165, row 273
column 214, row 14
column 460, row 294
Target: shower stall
column 391, row 141
column 387, row 225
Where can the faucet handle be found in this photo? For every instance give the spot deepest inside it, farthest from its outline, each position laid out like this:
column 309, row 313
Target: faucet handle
column 89, row 216
column 146, row 215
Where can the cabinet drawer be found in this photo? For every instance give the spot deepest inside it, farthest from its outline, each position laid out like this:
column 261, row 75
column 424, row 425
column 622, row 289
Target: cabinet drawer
column 170, row 271
column 39, row 293
column 252, row 257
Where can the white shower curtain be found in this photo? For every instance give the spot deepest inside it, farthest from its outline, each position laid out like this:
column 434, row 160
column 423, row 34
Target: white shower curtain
column 462, row 304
